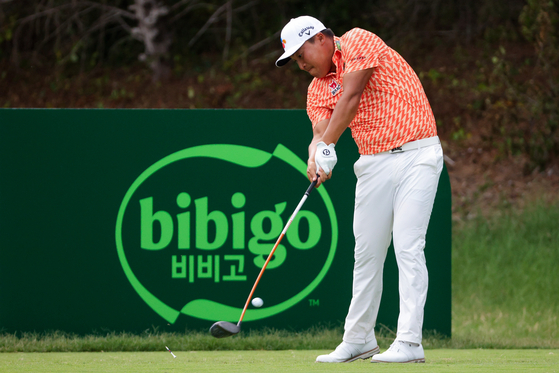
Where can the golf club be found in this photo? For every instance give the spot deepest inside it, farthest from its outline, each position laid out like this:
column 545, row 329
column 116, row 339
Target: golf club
column 222, row 329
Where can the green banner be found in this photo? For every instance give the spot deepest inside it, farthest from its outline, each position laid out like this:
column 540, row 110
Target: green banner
column 126, row 220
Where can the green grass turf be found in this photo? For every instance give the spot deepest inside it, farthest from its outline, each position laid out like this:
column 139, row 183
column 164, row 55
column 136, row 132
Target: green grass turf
column 504, row 279
column 440, row 360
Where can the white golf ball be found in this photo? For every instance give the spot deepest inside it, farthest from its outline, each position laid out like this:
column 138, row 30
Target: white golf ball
column 257, row 302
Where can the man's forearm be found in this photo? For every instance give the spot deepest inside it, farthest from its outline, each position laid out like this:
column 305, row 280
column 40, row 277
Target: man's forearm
column 312, row 147
column 346, row 108
column 343, row 114
column 318, row 133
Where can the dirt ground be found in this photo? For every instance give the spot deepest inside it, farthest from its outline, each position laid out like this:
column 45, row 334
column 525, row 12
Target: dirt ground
column 483, row 185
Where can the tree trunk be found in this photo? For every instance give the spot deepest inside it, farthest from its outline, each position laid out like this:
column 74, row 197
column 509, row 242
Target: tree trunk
column 151, row 16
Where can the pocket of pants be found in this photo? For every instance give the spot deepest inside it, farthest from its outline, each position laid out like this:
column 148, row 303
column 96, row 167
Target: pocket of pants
column 358, row 167
column 438, row 150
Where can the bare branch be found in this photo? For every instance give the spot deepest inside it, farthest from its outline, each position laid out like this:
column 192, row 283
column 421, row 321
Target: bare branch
column 56, row 9
column 120, row 11
column 244, row 7
column 74, row 27
column 187, row 10
column 216, row 17
column 213, row 18
column 101, row 22
column 55, row 22
column 181, row 3
column 262, row 43
column 123, row 24
column 228, row 29
column 50, row 11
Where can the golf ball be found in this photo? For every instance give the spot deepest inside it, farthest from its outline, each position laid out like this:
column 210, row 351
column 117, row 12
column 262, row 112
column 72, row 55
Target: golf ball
column 257, row 302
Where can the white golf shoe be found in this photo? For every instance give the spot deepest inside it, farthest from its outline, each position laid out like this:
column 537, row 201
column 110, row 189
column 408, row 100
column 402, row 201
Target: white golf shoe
column 348, row 352
column 401, row 352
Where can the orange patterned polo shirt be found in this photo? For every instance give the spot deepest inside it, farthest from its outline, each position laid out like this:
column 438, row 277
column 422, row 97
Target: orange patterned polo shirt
column 393, row 109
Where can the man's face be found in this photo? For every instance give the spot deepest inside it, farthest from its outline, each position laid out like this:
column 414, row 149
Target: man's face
column 315, row 58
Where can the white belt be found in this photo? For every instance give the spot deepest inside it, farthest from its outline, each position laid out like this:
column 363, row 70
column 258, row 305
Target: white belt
column 413, row 145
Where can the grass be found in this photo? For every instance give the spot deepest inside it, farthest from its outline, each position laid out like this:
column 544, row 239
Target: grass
column 286, row 361
column 505, row 296
column 316, row 338
column 504, row 282
column 313, row 339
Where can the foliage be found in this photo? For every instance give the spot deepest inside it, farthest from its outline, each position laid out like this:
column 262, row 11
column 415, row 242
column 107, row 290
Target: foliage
column 490, row 67
column 525, row 100
column 72, row 30
column 91, row 31
column 501, row 94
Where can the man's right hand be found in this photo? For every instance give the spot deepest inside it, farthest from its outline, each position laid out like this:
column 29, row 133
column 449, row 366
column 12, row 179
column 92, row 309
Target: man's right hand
column 311, row 174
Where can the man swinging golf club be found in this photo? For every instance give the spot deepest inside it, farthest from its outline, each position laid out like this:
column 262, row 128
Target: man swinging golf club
column 361, row 83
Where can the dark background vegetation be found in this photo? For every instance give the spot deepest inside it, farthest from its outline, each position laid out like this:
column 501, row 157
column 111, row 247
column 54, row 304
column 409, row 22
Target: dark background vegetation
column 490, row 69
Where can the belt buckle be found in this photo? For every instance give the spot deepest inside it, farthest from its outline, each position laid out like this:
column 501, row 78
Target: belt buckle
column 396, row 150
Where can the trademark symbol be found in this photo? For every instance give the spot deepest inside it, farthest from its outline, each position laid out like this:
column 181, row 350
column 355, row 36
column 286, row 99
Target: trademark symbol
column 314, row 303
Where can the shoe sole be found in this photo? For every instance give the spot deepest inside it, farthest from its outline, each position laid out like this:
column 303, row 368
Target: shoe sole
column 364, row 355
column 399, row 362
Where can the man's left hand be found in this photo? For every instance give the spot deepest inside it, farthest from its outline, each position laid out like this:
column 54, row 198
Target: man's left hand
column 325, row 157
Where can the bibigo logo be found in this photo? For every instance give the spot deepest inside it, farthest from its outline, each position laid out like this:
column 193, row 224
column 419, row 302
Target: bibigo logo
column 194, row 229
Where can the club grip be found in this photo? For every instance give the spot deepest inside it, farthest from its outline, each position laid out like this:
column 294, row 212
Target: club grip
column 311, row 187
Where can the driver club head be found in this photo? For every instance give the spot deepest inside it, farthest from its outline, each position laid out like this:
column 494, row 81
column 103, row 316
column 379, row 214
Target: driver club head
column 222, row 329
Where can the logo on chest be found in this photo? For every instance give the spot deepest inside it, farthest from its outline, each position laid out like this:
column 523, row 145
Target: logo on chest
column 335, row 87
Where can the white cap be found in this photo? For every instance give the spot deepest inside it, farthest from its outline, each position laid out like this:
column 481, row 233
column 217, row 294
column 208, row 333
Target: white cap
column 295, row 34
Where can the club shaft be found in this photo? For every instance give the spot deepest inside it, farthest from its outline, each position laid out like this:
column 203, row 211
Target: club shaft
column 311, row 187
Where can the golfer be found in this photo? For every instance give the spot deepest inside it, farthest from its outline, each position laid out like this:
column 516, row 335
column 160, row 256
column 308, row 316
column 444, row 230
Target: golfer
column 361, row 83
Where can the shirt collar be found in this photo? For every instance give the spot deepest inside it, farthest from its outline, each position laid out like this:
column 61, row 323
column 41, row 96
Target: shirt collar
column 337, row 57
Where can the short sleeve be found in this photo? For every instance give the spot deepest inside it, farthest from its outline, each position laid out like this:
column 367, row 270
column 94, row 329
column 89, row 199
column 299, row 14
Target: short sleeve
column 362, row 50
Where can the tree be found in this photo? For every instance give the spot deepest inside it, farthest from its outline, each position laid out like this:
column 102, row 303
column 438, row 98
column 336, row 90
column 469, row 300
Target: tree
column 76, row 29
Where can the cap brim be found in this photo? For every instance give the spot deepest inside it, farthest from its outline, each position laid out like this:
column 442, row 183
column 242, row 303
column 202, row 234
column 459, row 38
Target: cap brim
column 282, row 61
column 286, row 56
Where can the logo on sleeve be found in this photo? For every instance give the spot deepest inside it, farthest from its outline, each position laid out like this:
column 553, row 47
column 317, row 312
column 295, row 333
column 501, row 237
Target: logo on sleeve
column 335, row 87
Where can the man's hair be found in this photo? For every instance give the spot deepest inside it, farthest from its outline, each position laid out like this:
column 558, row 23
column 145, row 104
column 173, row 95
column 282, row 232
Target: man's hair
column 327, row 32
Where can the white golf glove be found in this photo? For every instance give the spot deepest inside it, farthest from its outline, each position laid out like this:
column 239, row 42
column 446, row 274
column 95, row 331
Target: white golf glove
column 325, row 157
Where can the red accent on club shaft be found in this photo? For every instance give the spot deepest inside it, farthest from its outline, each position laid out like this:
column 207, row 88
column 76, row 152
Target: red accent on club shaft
column 311, row 187
column 259, row 276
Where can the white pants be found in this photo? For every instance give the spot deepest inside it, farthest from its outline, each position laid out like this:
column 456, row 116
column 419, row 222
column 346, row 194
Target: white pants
column 394, row 195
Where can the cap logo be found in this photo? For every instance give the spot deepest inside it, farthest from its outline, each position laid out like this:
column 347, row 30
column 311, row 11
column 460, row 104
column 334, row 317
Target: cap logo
column 283, row 42
column 306, row 30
